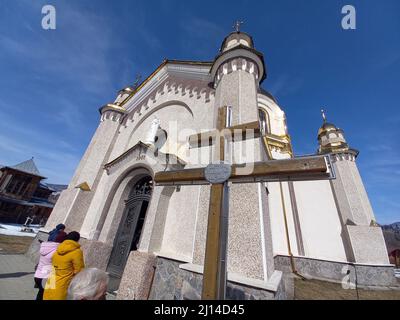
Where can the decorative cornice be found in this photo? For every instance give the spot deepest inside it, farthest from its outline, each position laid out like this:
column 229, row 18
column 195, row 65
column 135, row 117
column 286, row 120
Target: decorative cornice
column 197, row 70
column 175, row 90
column 274, row 142
column 149, row 78
column 342, row 155
column 84, row 186
column 235, row 64
column 113, row 107
column 112, row 111
column 142, row 150
column 243, row 52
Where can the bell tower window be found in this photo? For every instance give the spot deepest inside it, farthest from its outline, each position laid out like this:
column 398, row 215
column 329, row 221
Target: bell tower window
column 264, row 121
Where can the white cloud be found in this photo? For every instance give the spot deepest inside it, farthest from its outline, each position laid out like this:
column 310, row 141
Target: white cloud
column 201, row 36
column 56, row 164
column 77, row 51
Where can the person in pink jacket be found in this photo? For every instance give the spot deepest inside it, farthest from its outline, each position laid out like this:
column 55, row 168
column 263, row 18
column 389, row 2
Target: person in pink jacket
column 43, row 269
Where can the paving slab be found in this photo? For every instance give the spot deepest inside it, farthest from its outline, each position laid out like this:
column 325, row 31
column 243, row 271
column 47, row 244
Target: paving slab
column 16, row 277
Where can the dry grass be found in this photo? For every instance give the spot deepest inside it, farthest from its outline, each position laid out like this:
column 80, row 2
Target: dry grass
column 14, row 244
column 321, row 290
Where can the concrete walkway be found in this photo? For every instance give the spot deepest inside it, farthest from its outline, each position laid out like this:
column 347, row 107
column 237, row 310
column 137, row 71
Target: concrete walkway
column 16, row 278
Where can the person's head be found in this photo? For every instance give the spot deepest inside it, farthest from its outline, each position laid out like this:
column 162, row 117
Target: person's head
column 60, row 226
column 73, row 235
column 89, row 284
column 60, row 237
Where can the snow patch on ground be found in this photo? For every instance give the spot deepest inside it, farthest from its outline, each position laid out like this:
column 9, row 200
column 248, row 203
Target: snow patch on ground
column 15, row 230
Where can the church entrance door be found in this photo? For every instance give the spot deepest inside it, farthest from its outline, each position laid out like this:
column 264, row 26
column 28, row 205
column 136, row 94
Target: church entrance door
column 130, row 229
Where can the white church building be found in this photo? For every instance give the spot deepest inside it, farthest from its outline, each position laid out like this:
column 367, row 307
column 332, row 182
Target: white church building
column 151, row 239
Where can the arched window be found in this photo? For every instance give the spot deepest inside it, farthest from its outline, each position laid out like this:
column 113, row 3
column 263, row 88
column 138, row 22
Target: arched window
column 264, row 121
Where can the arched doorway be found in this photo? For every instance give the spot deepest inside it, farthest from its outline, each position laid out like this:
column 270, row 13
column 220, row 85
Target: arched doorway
column 130, row 228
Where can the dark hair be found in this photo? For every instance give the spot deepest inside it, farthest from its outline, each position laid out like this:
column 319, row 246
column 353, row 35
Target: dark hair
column 60, row 226
column 73, row 235
column 60, row 237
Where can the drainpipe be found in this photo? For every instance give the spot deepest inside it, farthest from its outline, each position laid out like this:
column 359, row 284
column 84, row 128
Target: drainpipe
column 356, row 279
column 292, row 263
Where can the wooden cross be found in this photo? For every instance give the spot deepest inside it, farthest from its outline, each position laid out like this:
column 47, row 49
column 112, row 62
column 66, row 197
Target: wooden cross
column 307, row 168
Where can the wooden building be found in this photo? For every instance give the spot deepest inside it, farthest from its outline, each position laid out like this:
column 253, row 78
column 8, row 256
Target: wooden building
column 23, row 194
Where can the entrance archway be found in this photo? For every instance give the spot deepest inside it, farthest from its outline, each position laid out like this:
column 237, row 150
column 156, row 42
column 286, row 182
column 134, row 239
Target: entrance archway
column 130, row 228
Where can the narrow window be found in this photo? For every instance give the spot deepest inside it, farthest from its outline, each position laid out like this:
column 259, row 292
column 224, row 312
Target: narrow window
column 263, row 118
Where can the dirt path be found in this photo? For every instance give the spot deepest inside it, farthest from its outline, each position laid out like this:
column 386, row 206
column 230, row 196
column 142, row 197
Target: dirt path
column 322, row 290
column 14, row 244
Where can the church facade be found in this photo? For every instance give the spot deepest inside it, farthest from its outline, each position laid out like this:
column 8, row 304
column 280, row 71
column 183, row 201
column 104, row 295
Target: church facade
column 151, row 239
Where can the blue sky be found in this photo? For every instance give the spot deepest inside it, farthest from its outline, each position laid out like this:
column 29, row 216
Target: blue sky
column 52, row 82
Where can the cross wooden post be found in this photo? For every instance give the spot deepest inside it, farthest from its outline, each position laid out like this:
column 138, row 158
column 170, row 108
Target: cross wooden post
column 215, row 262
column 214, row 275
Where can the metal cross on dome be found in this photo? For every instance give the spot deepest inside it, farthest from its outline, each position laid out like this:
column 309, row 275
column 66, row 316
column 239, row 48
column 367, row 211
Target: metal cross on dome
column 237, row 24
column 323, row 115
column 137, row 80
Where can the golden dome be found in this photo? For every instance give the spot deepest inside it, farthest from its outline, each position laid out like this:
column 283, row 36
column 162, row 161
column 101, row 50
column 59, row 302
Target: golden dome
column 326, row 127
column 331, row 143
column 112, row 107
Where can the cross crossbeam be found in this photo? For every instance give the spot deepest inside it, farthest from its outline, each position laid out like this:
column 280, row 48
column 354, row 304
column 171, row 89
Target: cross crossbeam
column 315, row 167
column 234, row 133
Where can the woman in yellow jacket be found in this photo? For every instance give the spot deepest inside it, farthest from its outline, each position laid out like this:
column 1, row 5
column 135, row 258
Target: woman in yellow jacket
column 67, row 261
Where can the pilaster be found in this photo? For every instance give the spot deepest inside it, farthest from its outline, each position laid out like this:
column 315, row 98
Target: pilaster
column 74, row 201
column 356, row 213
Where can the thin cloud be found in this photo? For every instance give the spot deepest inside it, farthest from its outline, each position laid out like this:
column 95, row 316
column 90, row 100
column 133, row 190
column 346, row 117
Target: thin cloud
column 77, row 50
column 390, row 59
column 201, row 28
column 202, row 36
column 48, row 160
column 285, row 85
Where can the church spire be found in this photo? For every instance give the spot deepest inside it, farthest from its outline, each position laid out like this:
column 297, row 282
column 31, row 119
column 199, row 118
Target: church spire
column 237, row 52
column 330, row 137
column 236, row 38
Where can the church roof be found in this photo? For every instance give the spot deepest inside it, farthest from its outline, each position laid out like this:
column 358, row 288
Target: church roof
column 141, row 144
column 27, row 166
column 31, row 203
column 268, row 94
column 326, row 127
column 169, row 61
column 163, row 64
column 236, row 34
